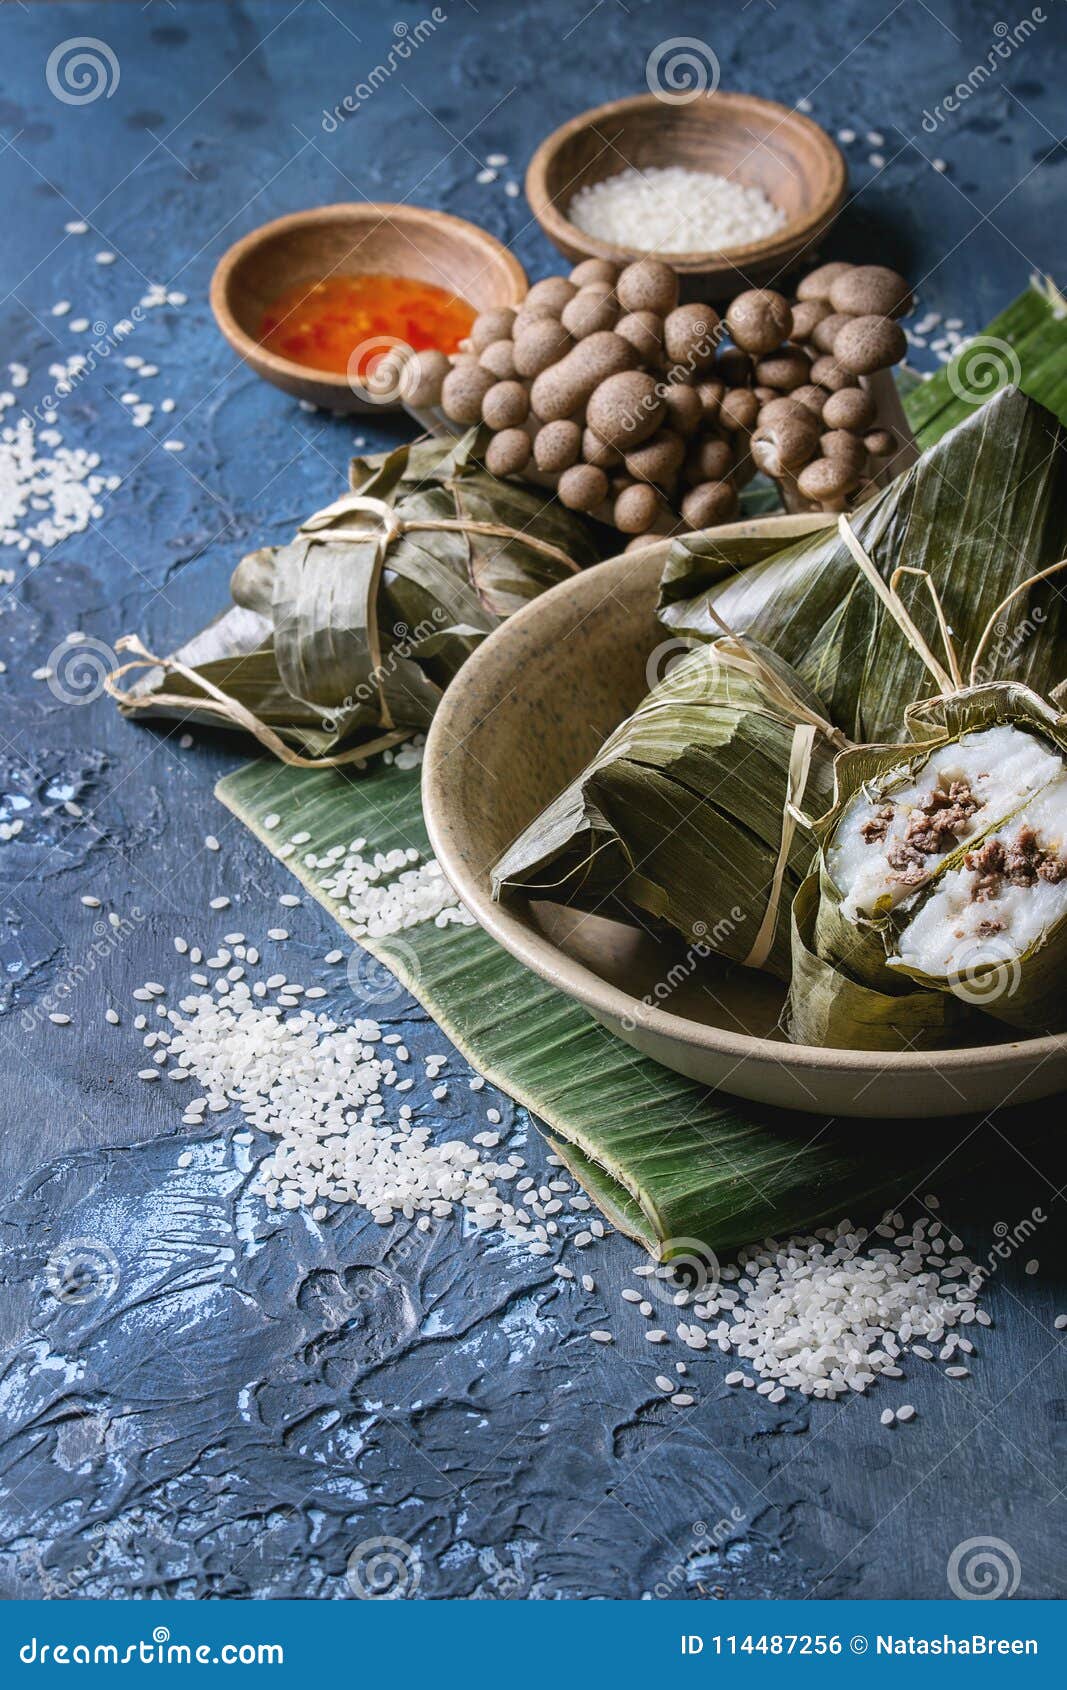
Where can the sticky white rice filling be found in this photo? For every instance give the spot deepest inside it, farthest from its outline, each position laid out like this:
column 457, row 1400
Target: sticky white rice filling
column 1002, row 766
column 953, row 934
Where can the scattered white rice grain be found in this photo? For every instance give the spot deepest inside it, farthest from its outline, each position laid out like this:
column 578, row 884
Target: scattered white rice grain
column 682, row 1399
column 588, row 1282
column 220, row 903
column 655, row 1335
column 90, row 902
column 211, row 843
column 887, row 1417
column 1032, row 1266
column 58, row 1020
column 602, row 1337
column 278, row 933
column 906, row 1413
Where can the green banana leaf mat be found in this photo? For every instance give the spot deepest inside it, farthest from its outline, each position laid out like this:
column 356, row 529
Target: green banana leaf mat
column 669, row 1162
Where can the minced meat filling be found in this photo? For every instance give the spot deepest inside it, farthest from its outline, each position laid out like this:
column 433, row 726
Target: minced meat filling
column 934, row 826
column 1022, row 862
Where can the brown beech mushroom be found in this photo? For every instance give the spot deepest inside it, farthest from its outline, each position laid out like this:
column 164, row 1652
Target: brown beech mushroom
column 537, row 346
column 710, row 394
column 592, row 308
column 845, row 448
column 463, row 390
column 528, row 314
column 637, row 509
column 499, row 359
column 508, row 452
column 817, row 283
column 640, row 541
column 625, row 409
column 827, row 482
column 734, row 367
column 866, row 344
column 710, row 503
column 563, row 388
column 852, row 408
column 648, row 285
column 807, row 315
column 554, row 291
column 708, row 459
column 826, row 331
column 496, row 324
column 594, row 270
column 782, row 448
column 598, row 452
column 784, row 370
column 690, row 334
column 506, row 405
column 827, row 372
column 583, row 488
column 658, row 460
column 759, row 320
column 739, row 409
column 880, row 443
column 784, row 405
column 685, row 413
column 426, row 374
column 644, row 331
column 870, row 290
column 811, row 397
column 557, row 446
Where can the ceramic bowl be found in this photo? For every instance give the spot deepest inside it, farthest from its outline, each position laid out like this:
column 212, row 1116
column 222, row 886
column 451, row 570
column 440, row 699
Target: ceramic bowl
column 401, row 240
column 528, row 710
column 756, row 142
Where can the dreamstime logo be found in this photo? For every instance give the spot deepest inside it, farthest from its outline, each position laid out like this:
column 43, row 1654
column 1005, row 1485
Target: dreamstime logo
column 79, row 670
column 688, row 1270
column 681, row 69
column 1009, row 642
column 1007, row 39
column 981, row 978
column 665, row 661
column 982, row 368
column 82, row 1271
column 384, row 1569
column 406, row 39
column 373, row 980
column 706, row 942
column 383, row 370
column 707, row 1540
column 1009, row 1239
column 983, row 1569
column 82, row 69
column 407, row 640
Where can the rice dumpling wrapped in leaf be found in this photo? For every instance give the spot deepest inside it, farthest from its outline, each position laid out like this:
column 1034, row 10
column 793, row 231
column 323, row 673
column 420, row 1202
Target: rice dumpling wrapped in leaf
column 689, row 812
column 948, row 866
column 828, row 1008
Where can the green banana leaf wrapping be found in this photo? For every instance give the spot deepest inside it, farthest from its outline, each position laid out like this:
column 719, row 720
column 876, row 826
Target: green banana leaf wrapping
column 1024, row 991
column 983, row 510
column 347, row 636
column 683, row 814
column 827, row 1007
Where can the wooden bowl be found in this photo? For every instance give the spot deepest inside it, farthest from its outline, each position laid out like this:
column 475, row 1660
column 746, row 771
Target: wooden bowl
column 526, row 713
column 398, row 240
column 757, row 142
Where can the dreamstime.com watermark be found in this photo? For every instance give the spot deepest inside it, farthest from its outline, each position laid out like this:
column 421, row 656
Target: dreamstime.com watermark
column 1008, row 38
column 107, row 937
column 983, row 1569
column 409, row 37
column 82, row 69
column 1008, row 643
column 681, row 69
column 706, row 1540
column 707, row 942
column 107, row 339
column 1009, row 1240
column 406, row 640
column 158, row 1650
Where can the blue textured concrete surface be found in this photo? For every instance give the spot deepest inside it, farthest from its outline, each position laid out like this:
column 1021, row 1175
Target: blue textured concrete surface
column 262, row 1394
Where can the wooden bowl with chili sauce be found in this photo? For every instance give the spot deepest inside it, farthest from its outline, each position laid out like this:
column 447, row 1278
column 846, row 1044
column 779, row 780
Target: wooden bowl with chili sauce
column 292, row 295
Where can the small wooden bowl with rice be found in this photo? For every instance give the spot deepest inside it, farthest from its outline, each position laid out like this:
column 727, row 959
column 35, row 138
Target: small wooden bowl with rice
column 754, row 144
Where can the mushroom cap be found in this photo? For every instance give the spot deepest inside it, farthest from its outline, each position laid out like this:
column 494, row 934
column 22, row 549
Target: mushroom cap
column 598, row 452
column 784, row 446
column 811, row 397
column 880, row 443
column 495, row 324
column 535, row 313
column 593, row 308
column 648, row 285
column 826, row 330
column 866, row 344
column 658, row 460
column 827, row 372
column 508, row 452
column 759, row 320
column 784, row 405
column 506, row 405
column 690, row 335
column 710, row 394
column 594, row 270
column 557, row 445
column 807, row 314
column 870, row 290
column 463, row 390
column 817, row 283
column 626, row 408
column 554, row 291
column 739, row 409
column 499, row 359
column 540, row 345
column 583, row 487
column 685, row 413
column 644, row 331
column 784, row 370
column 847, row 448
column 852, row 407
column 636, row 509
column 710, row 503
column 734, row 367
column 709, row 459
column 424, row 378
column 827, row 482
column 640, row 541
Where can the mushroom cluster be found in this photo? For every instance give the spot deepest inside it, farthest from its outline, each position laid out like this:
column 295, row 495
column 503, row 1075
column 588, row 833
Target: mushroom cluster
column 638, row 410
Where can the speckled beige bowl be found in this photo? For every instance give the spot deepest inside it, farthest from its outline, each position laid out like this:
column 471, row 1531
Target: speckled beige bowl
column 525, row 714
